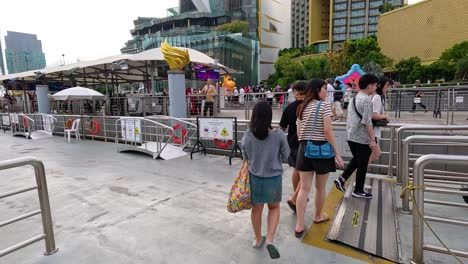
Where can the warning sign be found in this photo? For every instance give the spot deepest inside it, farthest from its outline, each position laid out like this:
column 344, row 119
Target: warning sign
column 216, row 128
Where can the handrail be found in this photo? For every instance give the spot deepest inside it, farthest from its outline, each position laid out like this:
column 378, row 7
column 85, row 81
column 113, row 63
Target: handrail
column 44, row 204
column 418, row 214
column 417, row 128
column 187, row 123
column 405, row 158
column 21, row 124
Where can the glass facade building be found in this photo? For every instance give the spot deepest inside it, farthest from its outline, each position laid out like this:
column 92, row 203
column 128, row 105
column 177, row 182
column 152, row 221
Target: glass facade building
column 2, row 66
column 356, row 19
column 195, row 27
column 23, row 52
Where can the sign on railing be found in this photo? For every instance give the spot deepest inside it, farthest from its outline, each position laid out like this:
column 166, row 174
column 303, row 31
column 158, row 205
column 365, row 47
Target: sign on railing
column 131, row 130
column 216, row 128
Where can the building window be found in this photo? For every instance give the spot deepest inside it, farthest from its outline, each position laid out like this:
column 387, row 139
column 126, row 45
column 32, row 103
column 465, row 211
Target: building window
column 342, row 6
column 373, row 20
column 338, row 30
column 374, row 12
column 356, row 28
column 358, row 5
column 357, row 36
column 339, row 37
column 340, row 22
column 375, row 4
column 273, row 28
column 357, row 21
column 358, row 13
column 340, row 14
column 373, row 27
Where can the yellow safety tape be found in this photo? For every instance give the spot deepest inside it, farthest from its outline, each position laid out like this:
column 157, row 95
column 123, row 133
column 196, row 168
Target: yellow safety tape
column 355, row 219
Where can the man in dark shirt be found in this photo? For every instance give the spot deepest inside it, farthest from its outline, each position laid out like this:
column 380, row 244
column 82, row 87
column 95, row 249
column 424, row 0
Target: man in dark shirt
column 288, row 121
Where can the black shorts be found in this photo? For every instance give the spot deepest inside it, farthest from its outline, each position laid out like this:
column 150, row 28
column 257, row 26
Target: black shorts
column 320, row 166
column 292, row 160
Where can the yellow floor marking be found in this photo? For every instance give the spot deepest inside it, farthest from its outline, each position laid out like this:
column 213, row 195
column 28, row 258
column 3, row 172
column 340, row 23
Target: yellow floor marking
column 317, row 233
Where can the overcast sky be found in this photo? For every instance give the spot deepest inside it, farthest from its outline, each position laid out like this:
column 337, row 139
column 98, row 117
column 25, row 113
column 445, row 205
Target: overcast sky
column 84, row 29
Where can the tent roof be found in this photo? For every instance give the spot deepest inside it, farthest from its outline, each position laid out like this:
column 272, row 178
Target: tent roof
column 94, row 69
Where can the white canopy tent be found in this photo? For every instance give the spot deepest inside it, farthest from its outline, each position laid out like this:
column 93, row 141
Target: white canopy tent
column 78, row 93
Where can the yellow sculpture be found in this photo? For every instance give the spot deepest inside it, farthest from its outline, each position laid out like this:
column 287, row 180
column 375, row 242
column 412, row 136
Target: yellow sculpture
column 176, row 58
column 229, row 83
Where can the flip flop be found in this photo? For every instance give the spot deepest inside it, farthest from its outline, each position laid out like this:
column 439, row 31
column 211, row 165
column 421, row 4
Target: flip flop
column 273, row 251
column 325, row 218
column 300, row 234
column 254, row 244
column 292, row 206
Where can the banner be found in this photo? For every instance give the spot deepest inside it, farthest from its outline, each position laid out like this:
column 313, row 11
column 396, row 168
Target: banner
column 6, row 120
column 46, row 123
column 131, row 130
column 14, row 119
column 219, row 128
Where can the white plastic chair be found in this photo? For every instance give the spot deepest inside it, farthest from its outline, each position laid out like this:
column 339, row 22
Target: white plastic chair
column 74, row 129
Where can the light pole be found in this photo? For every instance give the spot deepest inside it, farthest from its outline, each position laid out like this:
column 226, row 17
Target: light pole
column 63, row 58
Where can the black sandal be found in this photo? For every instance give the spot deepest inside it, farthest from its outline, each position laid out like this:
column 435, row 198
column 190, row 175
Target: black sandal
column 300, row 234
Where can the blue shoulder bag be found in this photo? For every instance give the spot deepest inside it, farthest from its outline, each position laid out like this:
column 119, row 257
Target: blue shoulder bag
column 313, row 151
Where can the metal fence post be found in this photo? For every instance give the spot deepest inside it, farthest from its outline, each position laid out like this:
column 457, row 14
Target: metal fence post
column 391, row 150
column 418, row 222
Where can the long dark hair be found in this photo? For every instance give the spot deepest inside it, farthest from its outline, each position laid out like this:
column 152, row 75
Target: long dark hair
column 260, row 122
column 312, row 93
column 381, row 84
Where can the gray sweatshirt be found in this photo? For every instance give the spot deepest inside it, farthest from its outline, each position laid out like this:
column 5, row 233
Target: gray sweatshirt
column 265, row 156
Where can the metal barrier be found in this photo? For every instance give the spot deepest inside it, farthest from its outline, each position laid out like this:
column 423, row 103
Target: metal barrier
column 405, row 157
column 142, row 135
column 399, row 141
column 418, row 215
column 187, row 129
column 41, row 181
column 21, row 125
column 46, row 123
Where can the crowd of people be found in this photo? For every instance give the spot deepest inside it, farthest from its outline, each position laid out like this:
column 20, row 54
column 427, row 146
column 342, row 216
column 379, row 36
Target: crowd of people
column 308, row 122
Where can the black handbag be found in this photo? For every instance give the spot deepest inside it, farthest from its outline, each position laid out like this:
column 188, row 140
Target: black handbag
column 376, row 123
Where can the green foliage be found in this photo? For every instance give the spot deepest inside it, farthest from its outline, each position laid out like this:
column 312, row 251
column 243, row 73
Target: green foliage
column 286, row 67
column 318, row 67
column 235, row 26
column 386, row 7
column 101, row 89
column 373, row 68
column 462, row 68
column 406, row 66
column 284, row 81
column 362, row 51
column 455, row 53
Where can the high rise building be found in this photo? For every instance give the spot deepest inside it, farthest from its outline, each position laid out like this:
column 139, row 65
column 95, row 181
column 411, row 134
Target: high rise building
column 195, row 26
column 2, row 66
column 23, row 52
column 310, row 22
column 356, row 19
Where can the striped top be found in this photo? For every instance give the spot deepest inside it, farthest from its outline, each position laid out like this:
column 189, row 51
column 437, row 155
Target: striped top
column 305, row 125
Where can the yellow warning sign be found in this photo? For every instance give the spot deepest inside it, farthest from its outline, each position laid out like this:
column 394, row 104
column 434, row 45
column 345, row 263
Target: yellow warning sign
column 355, row 218
column 224, row 132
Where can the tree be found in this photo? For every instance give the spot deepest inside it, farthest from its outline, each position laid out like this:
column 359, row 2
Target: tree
column 386, row 7
column 362, row 51
column 235, row 26
column 286, row 67
column 455, row 53
column 405, row 67
column 373, row 68
column 318, row 67
column 462, row 68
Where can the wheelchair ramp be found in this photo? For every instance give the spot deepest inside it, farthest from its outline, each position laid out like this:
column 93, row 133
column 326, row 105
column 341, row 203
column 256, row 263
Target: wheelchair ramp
column 40, row 134
column 169, row 152
column 368, row 224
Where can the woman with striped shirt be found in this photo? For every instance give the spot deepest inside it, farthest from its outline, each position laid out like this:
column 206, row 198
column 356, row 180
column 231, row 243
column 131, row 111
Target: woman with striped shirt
column 319, row 135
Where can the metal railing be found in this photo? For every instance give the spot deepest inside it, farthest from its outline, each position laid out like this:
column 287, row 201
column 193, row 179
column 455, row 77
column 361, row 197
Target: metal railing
column 399, row 140
column 21, row 125
column 41, row 181
column 418, row 215
column 184, row 137
column 142, row 135
column 405, row 157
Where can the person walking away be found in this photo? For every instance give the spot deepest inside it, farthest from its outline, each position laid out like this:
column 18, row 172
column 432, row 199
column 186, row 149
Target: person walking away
column 314, row 124
column 291, row 97
column 338, row 96
column 418, row 94
column 378, row 113
column 269, row 97
column 242, row 96
column 347, row 98
column 265, row 148
column 288, row 121
column 281, row 101
column 330, row 92
column 361, row 138
column 209, row 91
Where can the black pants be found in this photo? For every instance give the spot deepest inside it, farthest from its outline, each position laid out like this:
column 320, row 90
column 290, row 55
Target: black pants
column 420, row 104
column 208, row 105
column 360, row 160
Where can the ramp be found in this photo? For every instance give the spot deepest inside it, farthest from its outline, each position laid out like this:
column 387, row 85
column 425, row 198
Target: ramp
column 368, row 224
column 169, row 152
column 40, row 134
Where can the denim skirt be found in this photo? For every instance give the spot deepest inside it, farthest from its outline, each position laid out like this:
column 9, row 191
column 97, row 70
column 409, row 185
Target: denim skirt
column 266, row 189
